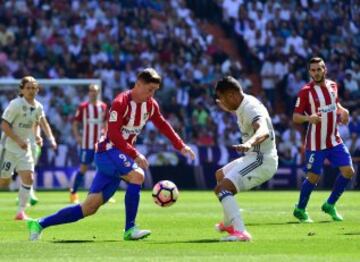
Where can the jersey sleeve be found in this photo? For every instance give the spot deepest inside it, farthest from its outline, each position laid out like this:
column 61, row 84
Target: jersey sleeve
column 165, row 128
column 78, row 114
column 115, row 122
column 41, row 113
column 10, row 112
column 302, row 102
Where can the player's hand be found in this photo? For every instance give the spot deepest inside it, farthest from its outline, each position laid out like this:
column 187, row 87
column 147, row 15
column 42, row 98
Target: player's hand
column 22, row 144
column 39, row 141
column 53, row 143
column 314, row 118
column 141, row 161
column 187, row 152
column 344, row 117
column 242, row 148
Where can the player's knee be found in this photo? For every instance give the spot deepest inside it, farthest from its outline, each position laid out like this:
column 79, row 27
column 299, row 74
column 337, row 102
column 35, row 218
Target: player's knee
column 27, row 179
column 225, row 185
column 348, row 172
column 89, row 208
column 219, row 174
column 136, row 177
column 83, row 168
column 313, row 178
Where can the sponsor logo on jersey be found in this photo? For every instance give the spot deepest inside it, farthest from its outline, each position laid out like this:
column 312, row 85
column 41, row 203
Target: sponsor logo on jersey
column 327, row 108
column 131, row 130
column 22, row 125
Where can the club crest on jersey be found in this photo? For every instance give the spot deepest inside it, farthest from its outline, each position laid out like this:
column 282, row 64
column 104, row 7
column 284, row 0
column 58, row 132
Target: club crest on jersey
column 24, row 108
column 146, row 115
column 113, row 116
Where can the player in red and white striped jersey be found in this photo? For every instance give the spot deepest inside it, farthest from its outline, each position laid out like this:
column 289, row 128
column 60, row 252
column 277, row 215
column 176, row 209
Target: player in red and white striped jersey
column 318, row 104
column 91, row 115
column 117, row 159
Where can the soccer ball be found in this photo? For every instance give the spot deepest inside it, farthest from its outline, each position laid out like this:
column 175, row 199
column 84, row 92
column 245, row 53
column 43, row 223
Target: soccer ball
column 165, row 193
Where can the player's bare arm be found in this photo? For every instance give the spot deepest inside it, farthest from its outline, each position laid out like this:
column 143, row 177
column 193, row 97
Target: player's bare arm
column 260, row 135
column 344, row 114
column 75, row 129
column 37, row 132
column 44, row 124
column 312, row 119
column 5, row 126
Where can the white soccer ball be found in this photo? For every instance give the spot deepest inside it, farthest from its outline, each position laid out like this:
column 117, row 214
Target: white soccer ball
column 165, row 193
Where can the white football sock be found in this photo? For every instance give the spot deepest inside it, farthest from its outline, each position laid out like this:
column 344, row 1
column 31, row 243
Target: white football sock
column 232, row 213
column 32, row 192
column 24, row 195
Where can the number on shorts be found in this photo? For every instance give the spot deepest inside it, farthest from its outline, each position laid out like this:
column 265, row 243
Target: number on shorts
column 311, row 158
column 6, row 166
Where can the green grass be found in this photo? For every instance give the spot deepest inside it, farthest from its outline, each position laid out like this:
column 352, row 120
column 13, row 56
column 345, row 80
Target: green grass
column 184, row 232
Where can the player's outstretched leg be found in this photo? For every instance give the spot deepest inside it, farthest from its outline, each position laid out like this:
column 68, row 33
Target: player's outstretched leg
column 339, row 187
column 132, row 199
column 225, row 193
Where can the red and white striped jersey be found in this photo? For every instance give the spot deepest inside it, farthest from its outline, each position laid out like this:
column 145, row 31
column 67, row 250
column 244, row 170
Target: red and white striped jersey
column 322, row 100
column 126, row 121
column 92, row 117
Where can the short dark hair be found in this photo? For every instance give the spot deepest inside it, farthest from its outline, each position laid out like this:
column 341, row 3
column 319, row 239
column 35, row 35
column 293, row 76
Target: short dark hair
column 149, row 75
column 227, row 83
column 315, row 60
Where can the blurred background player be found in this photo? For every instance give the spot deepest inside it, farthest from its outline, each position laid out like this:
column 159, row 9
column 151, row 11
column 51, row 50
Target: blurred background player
column 260, row 159
column 36, row 145
column 318, row 104
column 91, row 115
column 117, row 159
column 18, row 123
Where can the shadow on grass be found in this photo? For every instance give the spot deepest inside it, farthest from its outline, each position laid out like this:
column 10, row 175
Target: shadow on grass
column 81, row 241
column 352, row 234
column 195, row 241
column 286, row 223
column 273, row 223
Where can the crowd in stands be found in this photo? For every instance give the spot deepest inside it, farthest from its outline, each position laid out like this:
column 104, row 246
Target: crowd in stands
column 112, row 40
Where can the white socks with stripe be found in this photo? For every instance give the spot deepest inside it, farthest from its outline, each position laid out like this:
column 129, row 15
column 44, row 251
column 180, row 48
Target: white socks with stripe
column 24, row 196
column 232, row 213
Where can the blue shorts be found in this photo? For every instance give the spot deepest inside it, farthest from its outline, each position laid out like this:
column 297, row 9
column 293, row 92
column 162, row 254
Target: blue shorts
column 338, row 156
column 110, row 166
column 87, row 156
column 114, row 163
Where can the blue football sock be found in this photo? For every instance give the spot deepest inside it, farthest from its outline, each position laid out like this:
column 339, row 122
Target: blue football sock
column 66, row 215
column 305, row 193
column 132, row 198
column 78, row 181
column 339, row 188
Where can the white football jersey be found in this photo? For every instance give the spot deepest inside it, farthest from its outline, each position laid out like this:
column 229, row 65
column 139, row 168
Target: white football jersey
column 249, row 111
column 21, row 116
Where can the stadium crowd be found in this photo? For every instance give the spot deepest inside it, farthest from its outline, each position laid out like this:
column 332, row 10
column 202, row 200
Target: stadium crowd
column 111, row 40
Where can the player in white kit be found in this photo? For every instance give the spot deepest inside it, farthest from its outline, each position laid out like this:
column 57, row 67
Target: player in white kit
column 260, row 160
column 18, row 125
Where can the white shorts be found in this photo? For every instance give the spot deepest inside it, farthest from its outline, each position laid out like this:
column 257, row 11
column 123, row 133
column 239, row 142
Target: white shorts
column 251, row 170
column 10, row 161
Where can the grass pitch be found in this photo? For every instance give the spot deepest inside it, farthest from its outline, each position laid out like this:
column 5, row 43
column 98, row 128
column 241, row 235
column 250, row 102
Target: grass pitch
column 185, row 232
